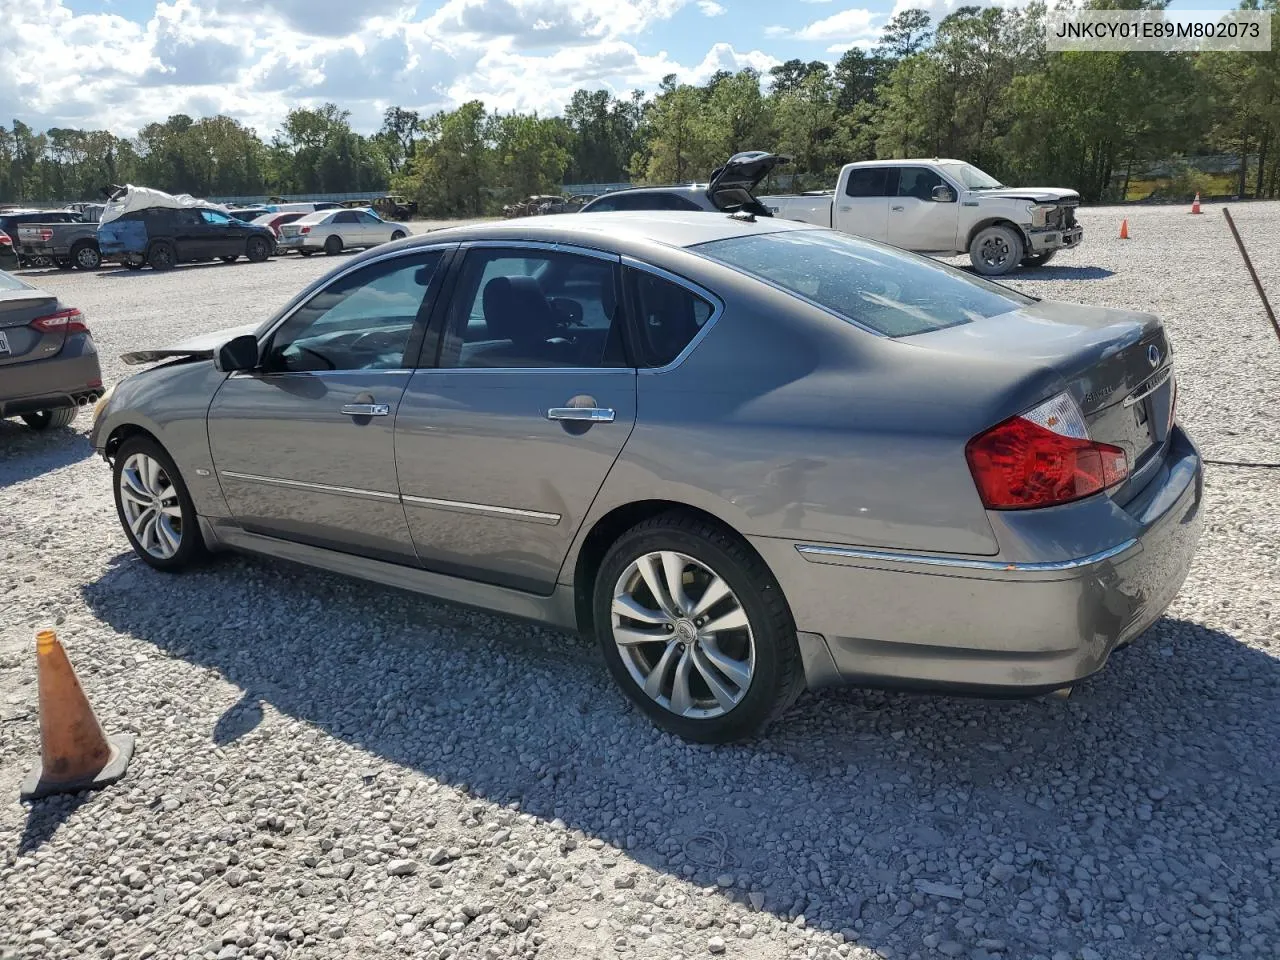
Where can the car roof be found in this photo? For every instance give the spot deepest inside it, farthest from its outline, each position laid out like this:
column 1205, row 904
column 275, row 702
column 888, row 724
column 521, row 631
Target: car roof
column 613, row 230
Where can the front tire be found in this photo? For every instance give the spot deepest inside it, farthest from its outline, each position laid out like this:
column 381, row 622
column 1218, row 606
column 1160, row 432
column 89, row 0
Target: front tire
column 695, row 629
column 162, row 256
column 43, row 420
column 256, row 249
column 996, row 250
column 154, row 507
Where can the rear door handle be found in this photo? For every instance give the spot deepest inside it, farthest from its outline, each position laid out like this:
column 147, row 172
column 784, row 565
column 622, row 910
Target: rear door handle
column 366, row 409
column 897, row 208
column 589, row 414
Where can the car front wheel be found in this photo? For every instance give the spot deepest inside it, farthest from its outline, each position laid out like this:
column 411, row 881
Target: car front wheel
column 996, row 250
column 256, row 249
column 695, row 629
column 155, row 509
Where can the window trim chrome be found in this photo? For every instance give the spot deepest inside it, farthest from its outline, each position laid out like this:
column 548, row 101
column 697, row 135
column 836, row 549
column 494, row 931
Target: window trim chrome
column 815, row 552
column 717, row 309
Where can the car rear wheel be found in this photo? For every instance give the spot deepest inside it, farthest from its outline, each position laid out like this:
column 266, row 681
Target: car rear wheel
column 86, row 256
column 695, row 629
column 995, row 250
column 155, row 509
column 333, row 246
column 49, row 419
column 162, row 256
column 256, row 249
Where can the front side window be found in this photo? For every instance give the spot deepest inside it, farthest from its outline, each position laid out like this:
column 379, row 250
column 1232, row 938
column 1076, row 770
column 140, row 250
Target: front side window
column 212, row 216
column 534, row 308
column 918, row 182
column 366, row 218
column 668, row 317
column 880, row 287
column 361, row 321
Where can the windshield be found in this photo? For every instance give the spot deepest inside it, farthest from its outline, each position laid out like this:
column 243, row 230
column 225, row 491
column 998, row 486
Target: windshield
column 878, row 287
column 971, row 178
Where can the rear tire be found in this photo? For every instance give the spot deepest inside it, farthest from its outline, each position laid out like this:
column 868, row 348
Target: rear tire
column 158, row 505
column 86, row 256
column 757, row 647
column 50, row 419
column 398, row 235
column 996, row 250
column 256, row 249
column 333, row 246
column 162, row 255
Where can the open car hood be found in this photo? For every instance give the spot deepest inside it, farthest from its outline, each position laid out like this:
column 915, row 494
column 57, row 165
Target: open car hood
column 197, row 348
column 744, row 171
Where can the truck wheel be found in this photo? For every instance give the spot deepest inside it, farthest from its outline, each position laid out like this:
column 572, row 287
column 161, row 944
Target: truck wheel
column 256, row 250
column 86, row 256
column 333, row 246
column 995, row 250
column 1038, row 259
column 162, row 256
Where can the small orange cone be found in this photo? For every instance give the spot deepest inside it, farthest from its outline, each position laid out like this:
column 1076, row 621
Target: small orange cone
column 1124, row 229
column 1195, row 204
column 74, row 752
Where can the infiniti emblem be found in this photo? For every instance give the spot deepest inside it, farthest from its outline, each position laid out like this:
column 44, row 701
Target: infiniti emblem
column 1153, row 355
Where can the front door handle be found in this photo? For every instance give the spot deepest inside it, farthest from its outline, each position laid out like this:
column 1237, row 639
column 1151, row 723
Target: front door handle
column 845, row 208
column 366, row 409
column 588, row 414
column 897, row 208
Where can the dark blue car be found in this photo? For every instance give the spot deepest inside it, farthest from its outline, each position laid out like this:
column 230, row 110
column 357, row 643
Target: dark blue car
column 164, row 237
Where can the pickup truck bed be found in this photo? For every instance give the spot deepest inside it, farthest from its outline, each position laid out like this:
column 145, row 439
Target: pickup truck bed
column 66, row 244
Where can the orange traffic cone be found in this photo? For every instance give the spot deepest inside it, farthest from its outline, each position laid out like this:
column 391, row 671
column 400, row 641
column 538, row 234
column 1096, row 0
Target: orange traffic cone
column 74, row 752
column 1195, row 204
column 1124, row 229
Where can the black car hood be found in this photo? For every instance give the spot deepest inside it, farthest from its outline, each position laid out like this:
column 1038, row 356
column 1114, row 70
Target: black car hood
column 197, row 348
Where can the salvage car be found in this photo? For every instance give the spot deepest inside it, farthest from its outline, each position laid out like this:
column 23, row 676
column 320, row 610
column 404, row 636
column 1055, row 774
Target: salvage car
column 336, row 230
column 729, row 191
column 162, row 237
column 48, row 361
column 944, row 208
column 749, row 455
column 67, row 244
column 274, row 221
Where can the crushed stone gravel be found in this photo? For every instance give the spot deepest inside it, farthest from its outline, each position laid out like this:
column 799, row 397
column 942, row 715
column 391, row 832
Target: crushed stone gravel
column 327, row 768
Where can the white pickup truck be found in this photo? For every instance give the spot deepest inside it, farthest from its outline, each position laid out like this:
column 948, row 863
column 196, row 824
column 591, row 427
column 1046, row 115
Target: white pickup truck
column 944, row 208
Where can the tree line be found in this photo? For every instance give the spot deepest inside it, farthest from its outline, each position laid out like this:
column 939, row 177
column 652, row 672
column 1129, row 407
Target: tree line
column 978, row 85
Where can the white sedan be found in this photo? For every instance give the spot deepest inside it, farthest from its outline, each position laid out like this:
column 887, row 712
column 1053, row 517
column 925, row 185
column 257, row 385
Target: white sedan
column 336, row 230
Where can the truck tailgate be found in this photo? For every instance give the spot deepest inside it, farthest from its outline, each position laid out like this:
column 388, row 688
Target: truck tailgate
column 806, row 209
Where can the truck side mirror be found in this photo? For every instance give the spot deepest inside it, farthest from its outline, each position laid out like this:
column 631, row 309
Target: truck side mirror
column 943, row 194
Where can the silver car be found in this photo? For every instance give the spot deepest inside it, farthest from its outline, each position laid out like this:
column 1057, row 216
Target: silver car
column 750, row 457
column 336, row 230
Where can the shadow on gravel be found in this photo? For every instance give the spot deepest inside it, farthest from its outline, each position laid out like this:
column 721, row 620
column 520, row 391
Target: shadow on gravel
column 1064, row 273
column 864, row 811
column 26, row 453
column 44, row 817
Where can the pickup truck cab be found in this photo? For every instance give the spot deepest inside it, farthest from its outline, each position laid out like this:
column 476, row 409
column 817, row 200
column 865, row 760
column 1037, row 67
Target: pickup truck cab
column 944, row 208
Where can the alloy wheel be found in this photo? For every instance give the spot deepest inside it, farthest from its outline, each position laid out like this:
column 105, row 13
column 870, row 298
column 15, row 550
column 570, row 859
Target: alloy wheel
column 151, row 507
column 995, row 251
column 683, row 635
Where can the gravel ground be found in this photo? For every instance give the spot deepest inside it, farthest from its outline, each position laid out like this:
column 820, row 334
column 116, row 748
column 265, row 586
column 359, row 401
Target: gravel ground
column 327, row 768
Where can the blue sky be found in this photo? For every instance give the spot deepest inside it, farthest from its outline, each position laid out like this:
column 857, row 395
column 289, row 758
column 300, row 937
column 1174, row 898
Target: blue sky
column 124, row 63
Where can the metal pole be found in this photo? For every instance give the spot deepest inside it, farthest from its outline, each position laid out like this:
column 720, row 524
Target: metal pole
column 1266, row 305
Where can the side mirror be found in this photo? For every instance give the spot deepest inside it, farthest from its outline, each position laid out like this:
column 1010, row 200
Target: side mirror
column 943, row 194
column 240, row 353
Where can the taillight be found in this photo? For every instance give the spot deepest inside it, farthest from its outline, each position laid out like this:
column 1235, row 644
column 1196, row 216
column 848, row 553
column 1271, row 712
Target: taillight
column 304, row 229
column 46, row 235
column 5, row 241
column 1042, row 458
column 66, row 321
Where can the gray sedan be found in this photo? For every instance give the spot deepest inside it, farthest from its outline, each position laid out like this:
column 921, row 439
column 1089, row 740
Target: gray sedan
column 749, row 457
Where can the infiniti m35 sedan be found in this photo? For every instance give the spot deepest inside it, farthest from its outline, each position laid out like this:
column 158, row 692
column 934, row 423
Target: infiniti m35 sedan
column 749, row 457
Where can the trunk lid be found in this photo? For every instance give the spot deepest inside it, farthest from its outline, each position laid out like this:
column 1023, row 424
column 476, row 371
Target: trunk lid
column 1117, row 364
column 732, row 184
column 19, row 341
column 289, row 230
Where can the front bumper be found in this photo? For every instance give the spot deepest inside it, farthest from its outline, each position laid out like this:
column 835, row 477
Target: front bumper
column 981, row 625
column 1042, row 241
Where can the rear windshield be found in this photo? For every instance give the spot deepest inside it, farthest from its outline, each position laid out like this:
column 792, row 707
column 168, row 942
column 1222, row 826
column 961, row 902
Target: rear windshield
column 8, row 283
column 879, row 287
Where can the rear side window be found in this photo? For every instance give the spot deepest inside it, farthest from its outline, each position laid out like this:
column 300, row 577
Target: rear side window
column 668, row 317
column 867, row 182
column 877, row 286
column 346, row 216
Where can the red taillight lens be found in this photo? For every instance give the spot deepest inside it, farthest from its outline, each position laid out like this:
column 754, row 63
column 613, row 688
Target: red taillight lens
column 46, row 235
column 66, row 321
column 5, row 241
column 304, row 230
column 1043, row 458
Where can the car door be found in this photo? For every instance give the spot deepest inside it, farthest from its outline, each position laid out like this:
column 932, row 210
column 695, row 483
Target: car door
column 504, row 441
column 189, row 231
column 346, row 225
column 226, row 235
column 304, row 445
column 916, row 220
column 862, row 208
column 372, row 230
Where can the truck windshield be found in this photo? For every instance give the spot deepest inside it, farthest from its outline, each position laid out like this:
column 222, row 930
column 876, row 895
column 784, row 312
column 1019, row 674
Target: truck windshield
column 971, row 178
column 878, row 287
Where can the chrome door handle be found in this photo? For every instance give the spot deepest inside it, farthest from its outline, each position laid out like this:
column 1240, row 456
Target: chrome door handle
column 897, row 208
column 589, row 414
column 845, row 208
column 366, row 409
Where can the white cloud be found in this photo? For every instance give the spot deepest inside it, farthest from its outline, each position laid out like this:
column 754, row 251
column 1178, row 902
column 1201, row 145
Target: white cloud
column 939, row 9
column 710, row 8
column 846, row 25
column 547, row 23
column 777, row 30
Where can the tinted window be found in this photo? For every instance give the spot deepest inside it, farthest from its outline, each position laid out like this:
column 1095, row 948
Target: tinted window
column 361, row 321
column 517, row 308
column 918, row 182
column 603, row 205
column 365, row 218
column 883, row 288
column 668, row 317
column 866, row 182
column 213, row 216
column 673, row 201
column 346, row 216
column 185, row 217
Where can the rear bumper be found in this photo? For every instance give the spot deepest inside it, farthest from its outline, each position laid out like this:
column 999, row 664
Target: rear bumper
column 285, row 244
column 72, row 378
column 981, row 625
